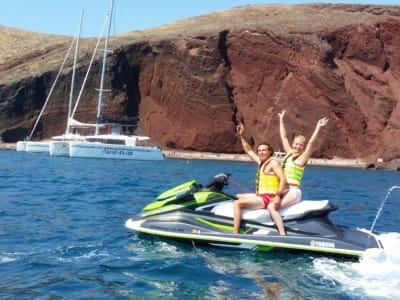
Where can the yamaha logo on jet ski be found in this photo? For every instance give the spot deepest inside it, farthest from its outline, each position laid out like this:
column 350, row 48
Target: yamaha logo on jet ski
column 201, row 214
column 322, row 244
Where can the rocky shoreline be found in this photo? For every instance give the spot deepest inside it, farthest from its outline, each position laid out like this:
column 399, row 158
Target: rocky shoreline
column 180, row 154
column 8, row 146
column 335, row 162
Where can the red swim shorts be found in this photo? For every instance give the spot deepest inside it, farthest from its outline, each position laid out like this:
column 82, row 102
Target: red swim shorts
column 267, row 198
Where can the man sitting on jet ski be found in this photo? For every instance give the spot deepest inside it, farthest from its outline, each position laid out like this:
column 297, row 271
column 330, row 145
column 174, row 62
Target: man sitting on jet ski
column 270, row 184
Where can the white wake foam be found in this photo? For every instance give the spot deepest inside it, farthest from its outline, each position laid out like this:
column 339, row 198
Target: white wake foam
column 376, row 275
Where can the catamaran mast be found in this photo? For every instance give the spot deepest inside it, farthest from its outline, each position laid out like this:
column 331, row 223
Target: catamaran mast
column 71, row 94
column 103, row 70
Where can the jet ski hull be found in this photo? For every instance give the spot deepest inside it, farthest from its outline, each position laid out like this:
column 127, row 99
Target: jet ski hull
column 191, row 213
column 214, row 231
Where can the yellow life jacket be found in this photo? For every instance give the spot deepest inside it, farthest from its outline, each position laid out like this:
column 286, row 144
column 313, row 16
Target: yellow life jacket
column 293, row 172
column 266, row 183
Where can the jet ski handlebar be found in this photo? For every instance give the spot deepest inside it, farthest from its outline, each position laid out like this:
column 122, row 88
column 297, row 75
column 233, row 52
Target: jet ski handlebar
column 217, row 183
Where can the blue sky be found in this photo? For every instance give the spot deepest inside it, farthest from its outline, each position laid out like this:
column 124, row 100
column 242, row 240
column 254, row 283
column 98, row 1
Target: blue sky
column 62, row 16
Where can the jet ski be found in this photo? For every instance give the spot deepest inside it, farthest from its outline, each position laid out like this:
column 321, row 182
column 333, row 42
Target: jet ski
column 203, row 215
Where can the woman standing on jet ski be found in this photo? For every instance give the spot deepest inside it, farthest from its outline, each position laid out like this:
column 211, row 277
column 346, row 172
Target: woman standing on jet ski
column 296, row 159
column 270, row 184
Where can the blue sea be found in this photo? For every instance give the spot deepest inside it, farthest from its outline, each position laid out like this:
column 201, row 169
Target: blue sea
column 62, row 235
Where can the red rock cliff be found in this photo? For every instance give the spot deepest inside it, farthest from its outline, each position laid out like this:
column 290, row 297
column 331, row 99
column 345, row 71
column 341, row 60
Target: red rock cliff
column 192, row 81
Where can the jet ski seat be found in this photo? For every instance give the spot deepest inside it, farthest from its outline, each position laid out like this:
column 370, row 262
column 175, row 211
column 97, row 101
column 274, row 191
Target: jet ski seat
column 301, row 210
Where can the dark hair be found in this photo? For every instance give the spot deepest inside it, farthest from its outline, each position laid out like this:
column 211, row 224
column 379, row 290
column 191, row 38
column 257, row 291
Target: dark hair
column 271, row 150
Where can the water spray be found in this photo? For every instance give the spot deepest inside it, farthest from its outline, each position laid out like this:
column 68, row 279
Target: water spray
column 382, row 205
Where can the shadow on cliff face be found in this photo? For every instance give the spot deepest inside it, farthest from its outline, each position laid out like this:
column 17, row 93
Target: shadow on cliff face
column 14, row 135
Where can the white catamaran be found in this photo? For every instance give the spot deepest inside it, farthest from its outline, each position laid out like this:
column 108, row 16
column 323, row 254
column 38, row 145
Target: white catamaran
column 59, row 145
column 115, row 144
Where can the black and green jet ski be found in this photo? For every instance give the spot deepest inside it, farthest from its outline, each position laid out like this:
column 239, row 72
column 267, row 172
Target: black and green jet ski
column 204, row 215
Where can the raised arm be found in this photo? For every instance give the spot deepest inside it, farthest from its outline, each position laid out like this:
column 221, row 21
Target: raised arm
column 309, row 148
column 246, row 147
column 282, row 131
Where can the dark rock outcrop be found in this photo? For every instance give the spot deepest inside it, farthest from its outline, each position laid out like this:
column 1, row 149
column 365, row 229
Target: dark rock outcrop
column 192, row 81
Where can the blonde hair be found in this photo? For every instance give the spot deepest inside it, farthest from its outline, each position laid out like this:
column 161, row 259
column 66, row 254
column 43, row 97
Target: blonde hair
column 300, row 137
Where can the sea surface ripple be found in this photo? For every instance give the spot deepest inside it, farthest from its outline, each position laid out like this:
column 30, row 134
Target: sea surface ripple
column 62, row 235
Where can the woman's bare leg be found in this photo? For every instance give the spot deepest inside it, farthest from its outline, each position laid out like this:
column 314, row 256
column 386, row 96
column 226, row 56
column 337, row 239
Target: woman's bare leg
column 293, row 196
column 277, row 218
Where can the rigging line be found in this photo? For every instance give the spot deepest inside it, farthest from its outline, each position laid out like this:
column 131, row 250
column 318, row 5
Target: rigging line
column 103, row 69
column 89, row 68
column 71, row 94
column 240, row 186
column 51, row 89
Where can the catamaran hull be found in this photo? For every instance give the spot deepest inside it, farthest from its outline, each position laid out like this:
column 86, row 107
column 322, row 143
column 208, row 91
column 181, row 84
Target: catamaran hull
column 99, row 150
column 59, row 148
column 21, row 146
column 37, row 147
column 59, row 145
column 215, row 231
